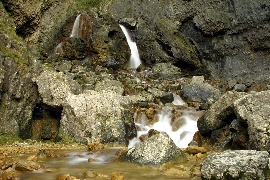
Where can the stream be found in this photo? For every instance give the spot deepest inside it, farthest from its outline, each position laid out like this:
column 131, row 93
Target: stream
column 75, row 163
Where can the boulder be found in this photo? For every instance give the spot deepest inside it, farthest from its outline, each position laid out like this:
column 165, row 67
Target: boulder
column 88, row 116
column 156, row 150
column 54, row 87
column 96, row 116
column 238, row 164
column 239, row 119
column 219, row 114
column 254, row 110
column 200, row 91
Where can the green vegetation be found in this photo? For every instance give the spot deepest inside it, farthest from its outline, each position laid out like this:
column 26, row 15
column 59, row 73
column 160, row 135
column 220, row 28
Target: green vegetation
column 85, row 4
column 9, row 139
column 67, row 140
column 11, row 44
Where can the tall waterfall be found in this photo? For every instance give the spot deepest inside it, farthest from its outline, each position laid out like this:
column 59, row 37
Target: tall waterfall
column 135, row 60
column 181, row 130
column 76, row 27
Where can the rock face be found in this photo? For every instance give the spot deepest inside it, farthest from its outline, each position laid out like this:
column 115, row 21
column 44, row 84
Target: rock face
column 18, row 92
column 156, row 150
column 230, row 38
column 239, row 164
column 41, row 23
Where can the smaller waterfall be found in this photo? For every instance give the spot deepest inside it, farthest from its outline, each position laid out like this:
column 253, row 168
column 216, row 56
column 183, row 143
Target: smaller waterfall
column 181, row 130
column 135, row 60
column 76, row 27
column 59, row 49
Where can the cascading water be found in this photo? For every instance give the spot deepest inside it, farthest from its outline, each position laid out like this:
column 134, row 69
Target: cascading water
column 181, row 130
column 135, row 60
column 76, row 27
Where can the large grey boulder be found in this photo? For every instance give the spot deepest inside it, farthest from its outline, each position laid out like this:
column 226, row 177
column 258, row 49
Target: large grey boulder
column 156, row 150
column 239, row 164
column 96, row 117
column 54, row 87
column 88, row 116
column 254, row 110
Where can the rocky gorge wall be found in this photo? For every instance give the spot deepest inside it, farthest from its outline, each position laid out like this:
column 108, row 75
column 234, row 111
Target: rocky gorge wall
column 229, row 39
column 226, row 41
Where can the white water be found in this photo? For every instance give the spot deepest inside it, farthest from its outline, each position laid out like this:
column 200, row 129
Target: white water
column 59, row 48
column 135, row 60
column 181, row 136
column 76, row 27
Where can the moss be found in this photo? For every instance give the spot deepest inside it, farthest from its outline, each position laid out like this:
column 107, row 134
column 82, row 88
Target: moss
column 12, row 45
column 86, row 4
column 267, row 173
column 67, row 140
column 9, row 139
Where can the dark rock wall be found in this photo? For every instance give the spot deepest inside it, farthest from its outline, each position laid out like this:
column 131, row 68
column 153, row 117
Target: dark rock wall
column 18, row 94
column 229, row 39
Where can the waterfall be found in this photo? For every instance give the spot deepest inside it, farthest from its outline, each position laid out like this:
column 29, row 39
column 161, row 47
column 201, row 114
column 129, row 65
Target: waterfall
column 59, row 49
column 76, row 27
column 135, row 60
column 181, row 130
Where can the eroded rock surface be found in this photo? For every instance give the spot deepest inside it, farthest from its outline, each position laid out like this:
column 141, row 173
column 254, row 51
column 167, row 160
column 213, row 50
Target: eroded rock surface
column 156, row 150
column 239, row 164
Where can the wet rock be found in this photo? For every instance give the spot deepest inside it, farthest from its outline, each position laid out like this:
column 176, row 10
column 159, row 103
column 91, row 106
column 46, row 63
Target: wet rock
column 90, row 174
column 165, row 71
column 74, row 48
column 45, row 129
column 220, row 113
column 65, row 177
column 159, row 95
column 95, row 146
column 239, row 164
column 20, row 164
column 156, row 36
column 26, row 165
column 254, row 110
column 117, row 176
column 182, row 174
column 200, row 91
column 195, row 150
column 10, row 173
column 96, row 116
column 156, row 150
